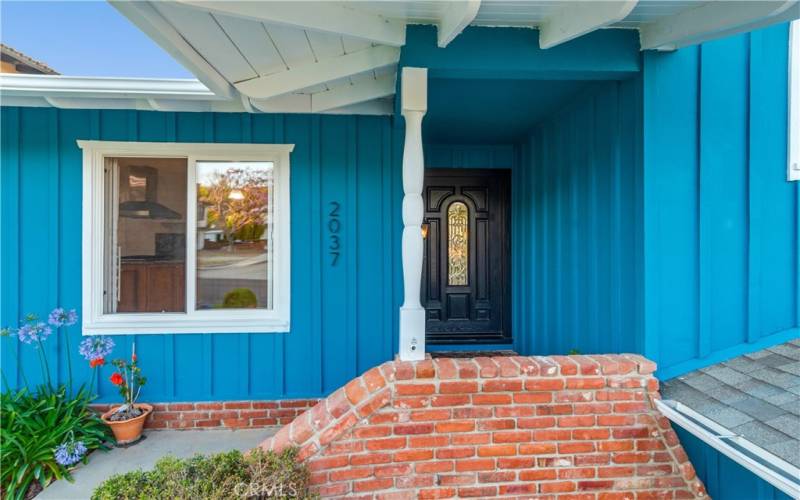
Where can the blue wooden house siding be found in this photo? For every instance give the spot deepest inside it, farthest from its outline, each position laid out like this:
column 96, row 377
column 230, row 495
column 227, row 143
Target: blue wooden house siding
column 649, row 214
column 720, row 220
column 343, row 317
column 583, row 172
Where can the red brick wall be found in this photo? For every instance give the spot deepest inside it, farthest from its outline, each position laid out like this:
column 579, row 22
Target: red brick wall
column 560, row 427
column 220, row 415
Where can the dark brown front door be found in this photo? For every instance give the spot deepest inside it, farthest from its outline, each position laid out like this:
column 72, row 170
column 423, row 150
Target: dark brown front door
column 466, row 262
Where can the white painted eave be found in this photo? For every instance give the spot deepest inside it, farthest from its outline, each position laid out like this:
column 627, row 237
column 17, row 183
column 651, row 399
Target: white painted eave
column 102, row 87
column 350, row 39
column 157, row 94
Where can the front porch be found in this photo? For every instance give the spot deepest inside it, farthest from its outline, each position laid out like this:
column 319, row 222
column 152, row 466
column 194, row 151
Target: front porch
column 556, row 204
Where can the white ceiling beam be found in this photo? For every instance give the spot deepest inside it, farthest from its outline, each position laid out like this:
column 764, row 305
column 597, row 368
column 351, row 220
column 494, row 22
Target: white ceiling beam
column 456, row 16
column 317, row 16
column 150, row 21
column 287, row 103
column 579, row 18
column 715, row 20
column 377, row 107
column 356, row 93
column 301, row 103
column 320, row 72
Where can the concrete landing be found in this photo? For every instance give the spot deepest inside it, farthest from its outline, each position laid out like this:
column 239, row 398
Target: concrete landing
column 144, row 455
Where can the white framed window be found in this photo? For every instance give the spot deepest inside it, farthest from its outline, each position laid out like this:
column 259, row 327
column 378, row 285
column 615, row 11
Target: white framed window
column 185, row 238
column 793, row 167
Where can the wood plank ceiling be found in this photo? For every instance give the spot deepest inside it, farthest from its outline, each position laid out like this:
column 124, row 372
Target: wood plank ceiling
column 342, row 57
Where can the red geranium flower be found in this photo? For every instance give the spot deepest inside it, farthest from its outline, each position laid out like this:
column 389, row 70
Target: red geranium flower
column 97, row 362
column 117, row 379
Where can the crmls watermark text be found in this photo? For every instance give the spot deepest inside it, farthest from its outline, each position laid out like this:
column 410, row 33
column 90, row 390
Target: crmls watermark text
column 265, row 489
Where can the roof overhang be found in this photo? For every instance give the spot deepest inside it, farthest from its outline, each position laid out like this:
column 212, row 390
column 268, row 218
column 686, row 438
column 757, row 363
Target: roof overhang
column 759, row 461
column 342, row 57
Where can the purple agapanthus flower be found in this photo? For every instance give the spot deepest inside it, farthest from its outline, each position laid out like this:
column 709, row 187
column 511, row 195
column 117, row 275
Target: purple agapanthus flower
column 70, row 453
column 96, row 347
column 60, row 317
column 33, row 332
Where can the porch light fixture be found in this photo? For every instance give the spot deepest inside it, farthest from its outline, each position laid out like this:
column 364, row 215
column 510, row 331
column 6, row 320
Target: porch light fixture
column 424, row 230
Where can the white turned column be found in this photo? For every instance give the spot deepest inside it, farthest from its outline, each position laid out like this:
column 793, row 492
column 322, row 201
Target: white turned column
column 414, row 103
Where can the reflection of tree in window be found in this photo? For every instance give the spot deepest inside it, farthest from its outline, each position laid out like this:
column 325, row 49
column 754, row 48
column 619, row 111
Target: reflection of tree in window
column 237, row 200
column 234, row 256
column 457, row 244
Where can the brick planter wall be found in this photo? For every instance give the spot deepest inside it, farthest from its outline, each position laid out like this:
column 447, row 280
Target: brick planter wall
column 559, row 427
column 223, row 414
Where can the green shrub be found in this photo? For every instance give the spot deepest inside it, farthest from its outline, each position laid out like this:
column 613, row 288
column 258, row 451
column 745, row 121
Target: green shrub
column 250, row 232
column 225, row 475
column 240, row 298
column 33, row 425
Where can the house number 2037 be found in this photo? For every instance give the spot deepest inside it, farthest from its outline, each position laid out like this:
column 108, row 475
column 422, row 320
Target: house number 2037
column 334, row 228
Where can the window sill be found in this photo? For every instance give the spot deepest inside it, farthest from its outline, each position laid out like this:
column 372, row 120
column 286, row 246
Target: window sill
column 158, row 324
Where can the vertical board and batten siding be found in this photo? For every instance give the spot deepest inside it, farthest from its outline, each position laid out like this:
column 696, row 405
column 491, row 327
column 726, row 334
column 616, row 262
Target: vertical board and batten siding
column 343, row 317
column 721, row 220
column 585, row 230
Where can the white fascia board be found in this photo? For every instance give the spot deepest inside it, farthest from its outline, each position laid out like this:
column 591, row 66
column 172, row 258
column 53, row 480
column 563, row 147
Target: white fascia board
column 793, row 172
column 308, row 75
column 353, row 94
column 715, row 20
column 153, row 24
column 773, row 469
column 316, row 16
column 24, row 101
column 111, row 93
column 578, row 18
column 457, row 16
column 67, row 86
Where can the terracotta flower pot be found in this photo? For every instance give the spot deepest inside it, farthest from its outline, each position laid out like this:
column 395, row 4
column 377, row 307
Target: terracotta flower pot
column 128, row 431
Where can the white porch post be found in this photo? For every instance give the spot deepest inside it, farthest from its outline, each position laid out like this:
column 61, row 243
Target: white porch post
column 414, row 103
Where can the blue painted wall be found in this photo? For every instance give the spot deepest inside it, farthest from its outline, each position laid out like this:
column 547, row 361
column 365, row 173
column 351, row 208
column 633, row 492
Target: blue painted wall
column 584, row 239
column 514, row 53
column 343, row 318
column 724, row 478
column 649, row 214
column 721, row 221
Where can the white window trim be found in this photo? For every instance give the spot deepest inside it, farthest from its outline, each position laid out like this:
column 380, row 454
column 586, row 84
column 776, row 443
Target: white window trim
column 793, row 153
column 96, row 322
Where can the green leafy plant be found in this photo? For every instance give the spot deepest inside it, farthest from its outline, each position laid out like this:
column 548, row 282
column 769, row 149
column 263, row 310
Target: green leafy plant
column 45, row 430
column 34, row 424
column 258, row 474
column 129, row 381
column 240, row 298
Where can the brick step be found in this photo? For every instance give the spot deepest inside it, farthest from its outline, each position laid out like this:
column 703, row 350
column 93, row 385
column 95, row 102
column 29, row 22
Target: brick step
column 558, row 426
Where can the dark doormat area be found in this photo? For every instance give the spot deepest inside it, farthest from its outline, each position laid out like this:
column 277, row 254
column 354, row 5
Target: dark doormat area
column 472, row 354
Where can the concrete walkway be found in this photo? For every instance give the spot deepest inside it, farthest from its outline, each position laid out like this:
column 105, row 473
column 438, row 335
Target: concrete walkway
column 145, row 454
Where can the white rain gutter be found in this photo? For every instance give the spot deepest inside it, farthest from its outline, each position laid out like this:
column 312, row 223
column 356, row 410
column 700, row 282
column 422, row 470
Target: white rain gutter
column 153, row 94
column 103, row 87
column 76, row 92
column 774, row 470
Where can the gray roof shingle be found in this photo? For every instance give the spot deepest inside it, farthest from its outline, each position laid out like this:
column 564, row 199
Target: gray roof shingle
column 756, row 395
